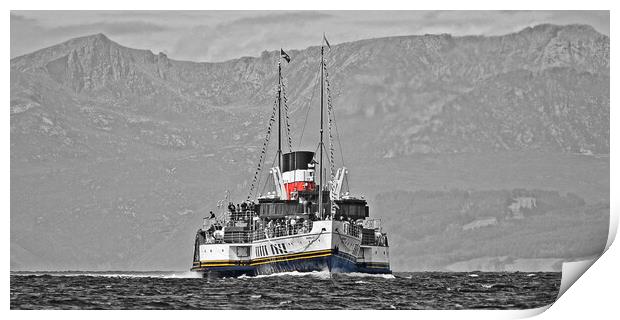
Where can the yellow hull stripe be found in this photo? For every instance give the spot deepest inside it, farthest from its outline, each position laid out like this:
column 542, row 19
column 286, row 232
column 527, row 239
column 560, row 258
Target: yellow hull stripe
column 255, row 262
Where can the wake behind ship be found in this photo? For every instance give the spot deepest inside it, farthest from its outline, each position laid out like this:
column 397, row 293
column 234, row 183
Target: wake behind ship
column 308, row 222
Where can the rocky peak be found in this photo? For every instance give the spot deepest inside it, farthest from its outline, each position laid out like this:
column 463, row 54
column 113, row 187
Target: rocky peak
column 425, row 82
column 575, row 30
column 91, row 62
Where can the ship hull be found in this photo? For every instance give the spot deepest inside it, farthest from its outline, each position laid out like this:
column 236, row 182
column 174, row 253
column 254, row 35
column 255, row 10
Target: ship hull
column 333, row 262
column 325, row 248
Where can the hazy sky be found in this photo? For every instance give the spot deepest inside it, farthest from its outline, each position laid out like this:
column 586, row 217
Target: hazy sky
column 222, row 35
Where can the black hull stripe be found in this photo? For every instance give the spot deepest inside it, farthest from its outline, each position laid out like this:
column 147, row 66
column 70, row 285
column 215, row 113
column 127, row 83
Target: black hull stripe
column 245, row 264
column 292, row 255
column 332, row 262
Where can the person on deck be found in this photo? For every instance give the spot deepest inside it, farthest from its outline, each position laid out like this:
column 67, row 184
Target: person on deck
column 292, row 230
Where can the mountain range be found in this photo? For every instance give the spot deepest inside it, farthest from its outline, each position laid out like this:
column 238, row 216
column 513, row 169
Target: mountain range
column 117, row 152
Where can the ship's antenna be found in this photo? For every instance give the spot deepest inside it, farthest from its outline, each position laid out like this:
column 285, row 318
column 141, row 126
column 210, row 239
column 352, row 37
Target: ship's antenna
column 321, row 143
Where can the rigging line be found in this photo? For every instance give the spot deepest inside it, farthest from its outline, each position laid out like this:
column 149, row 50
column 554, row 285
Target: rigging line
column 316, row 84
column 286, row 117
column 259, row 181
column 272, row 119
column 325, row 150
column 267, row 179
column 340, row 237
column 317, row 148
column 315, row 167
column 346, row 179
column 260, row 173
column 330, row 120
column 338, row 138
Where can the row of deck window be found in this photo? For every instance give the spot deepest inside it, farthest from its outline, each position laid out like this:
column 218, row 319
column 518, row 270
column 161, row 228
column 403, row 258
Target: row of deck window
column 262, row 251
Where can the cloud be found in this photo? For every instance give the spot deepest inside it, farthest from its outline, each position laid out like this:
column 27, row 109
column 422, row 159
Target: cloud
column 461, row 23
column 222, row 35
column 29, row 34
column 25, row 35
column 111, row 28
column 248, row 36
column 279, row 18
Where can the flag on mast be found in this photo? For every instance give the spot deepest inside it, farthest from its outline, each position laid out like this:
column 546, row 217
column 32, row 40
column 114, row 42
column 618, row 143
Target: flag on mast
column 326, row 42
column 285, row 56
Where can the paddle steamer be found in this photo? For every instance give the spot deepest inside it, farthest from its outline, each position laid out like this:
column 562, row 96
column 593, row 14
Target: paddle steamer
column 307, row 222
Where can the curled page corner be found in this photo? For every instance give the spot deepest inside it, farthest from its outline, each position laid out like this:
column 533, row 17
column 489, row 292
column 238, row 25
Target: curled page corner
column 528, row 313
column 571, row 271
column 511, row 314
column 613, row 229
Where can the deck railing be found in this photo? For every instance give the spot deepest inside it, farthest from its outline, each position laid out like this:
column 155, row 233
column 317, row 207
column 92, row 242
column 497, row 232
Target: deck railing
column 372, row 224
column 245, row 236
column 282, row 230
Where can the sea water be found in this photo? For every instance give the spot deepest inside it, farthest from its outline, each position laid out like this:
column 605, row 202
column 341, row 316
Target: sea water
column 291, row 290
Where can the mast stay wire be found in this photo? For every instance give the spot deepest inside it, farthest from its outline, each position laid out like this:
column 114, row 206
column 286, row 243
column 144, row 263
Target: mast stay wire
column 346, row 179
column 273, row 163
column 286, row 116
column 329, row 121
column 332, row 120
column 261, row 159
column 308, row 104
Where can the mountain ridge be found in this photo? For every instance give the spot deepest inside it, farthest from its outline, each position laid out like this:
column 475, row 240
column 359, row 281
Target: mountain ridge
column 552, row 27
column 392, row 75
column 116, row 153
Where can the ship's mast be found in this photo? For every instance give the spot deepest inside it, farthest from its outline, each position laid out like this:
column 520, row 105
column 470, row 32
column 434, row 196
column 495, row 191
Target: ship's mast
column 280, row 113
column 321, row 145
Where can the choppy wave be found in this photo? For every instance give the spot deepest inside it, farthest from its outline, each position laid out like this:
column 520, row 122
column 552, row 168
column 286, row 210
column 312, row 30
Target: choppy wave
column 316, row 274
column 291, row 290
column 185, row 275
column 368, row 275
column 107, row 274
column 319, row 274
column 190, row 274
